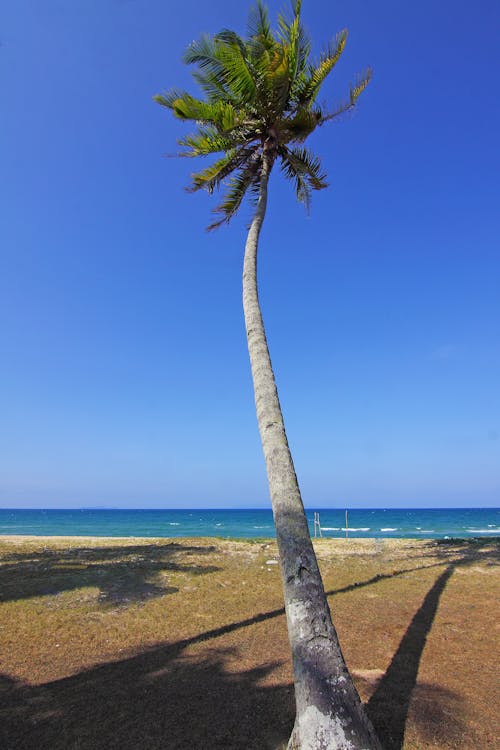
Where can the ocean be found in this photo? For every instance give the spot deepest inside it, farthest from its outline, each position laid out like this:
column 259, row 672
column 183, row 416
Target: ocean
column 244, row 524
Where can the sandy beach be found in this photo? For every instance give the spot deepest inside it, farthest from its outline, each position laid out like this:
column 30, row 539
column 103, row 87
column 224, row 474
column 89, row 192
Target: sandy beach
column 181, row 644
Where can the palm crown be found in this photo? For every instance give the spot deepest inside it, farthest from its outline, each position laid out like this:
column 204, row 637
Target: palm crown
column 259, row 106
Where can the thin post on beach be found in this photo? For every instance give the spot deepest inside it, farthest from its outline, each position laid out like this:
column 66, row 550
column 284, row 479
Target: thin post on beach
column 317, row 526
column 346, row 525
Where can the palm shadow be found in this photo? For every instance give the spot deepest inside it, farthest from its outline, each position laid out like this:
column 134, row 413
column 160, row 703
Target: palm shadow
column 436, row 707
column 122, row 574
column 389, row 704
column 175, row 698
column 159, row 699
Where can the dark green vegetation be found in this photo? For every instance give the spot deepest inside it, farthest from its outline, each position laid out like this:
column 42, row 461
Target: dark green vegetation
column 259, row 102
column 148, row 643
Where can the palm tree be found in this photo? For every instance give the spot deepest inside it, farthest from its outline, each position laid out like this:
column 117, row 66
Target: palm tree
column 259, row 105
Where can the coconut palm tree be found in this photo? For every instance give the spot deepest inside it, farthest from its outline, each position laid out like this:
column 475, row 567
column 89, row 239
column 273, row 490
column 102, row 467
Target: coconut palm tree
column 258, row 106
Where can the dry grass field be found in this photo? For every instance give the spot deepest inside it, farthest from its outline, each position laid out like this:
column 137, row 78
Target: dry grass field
column 123, row 644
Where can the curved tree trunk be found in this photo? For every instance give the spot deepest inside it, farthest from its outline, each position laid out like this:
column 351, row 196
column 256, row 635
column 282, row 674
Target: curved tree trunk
column 329, row 711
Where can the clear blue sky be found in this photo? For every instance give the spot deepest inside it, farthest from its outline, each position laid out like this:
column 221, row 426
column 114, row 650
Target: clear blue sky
column 124, row 377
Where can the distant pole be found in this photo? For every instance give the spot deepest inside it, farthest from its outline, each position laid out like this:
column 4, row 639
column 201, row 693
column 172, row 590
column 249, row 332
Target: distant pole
column 346, row 525
column 317, row 525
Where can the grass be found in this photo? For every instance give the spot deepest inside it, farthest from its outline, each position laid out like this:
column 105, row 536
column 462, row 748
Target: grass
column 181, row 645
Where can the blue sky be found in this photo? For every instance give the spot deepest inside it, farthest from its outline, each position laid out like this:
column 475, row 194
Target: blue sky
column 124, row 377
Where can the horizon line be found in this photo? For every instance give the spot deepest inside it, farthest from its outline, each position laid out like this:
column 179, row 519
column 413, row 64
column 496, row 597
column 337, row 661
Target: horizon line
column 268, row 508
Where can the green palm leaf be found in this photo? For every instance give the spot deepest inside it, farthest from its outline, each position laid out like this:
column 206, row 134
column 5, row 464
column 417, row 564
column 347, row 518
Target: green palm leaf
column 257, row 102
column 295, row 39
column 355, row 91
column 239, row 185
column 260, row 36
column 309, row 87
column 304, row 169
column 210, row 178
column 206, row 141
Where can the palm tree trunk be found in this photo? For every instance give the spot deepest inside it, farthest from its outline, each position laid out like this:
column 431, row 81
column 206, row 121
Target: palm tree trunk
column 329, row 711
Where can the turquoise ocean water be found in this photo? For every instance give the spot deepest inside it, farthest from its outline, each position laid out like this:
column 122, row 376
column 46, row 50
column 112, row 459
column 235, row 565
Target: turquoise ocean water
column 417, row 524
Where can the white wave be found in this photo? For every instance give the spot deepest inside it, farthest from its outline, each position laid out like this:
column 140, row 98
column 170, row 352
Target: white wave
column 365, row 528
column 427, row 531
column 483, row 531
column 172, row 523
column 261, row 527
column 330, row 528
column 388, row 529
column 218, row 524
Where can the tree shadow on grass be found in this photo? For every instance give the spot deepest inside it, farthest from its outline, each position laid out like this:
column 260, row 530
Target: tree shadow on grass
column 170, row 699
column 389, row 704
column 122, row 574
column 437, row 710
column 160, row 699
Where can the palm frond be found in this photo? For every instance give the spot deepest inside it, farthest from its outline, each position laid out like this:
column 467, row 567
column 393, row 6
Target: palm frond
column 204, row 52
column 213, row 88
column 310, row 87
column 307, row 164
column 219, row 66
column 210, row 178
column 239, row 185
column 302, row 189
column 258, row 26
column 357, row 88
column 304, row 169
column 169, row 97
column 219, row 113
column 187, row 107
column 277, row 82
column 295, row 40
column 207, row 140
column 258, row 97
column 239, row 75
column 355, row 91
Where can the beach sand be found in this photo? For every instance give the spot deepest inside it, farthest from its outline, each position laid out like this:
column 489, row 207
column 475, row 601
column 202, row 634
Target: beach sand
column 181, row 644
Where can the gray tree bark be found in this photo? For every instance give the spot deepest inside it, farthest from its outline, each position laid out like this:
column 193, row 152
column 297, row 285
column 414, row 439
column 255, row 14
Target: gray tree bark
column 329, row 713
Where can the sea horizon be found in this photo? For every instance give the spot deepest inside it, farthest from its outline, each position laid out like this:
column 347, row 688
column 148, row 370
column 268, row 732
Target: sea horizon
column 252, row 508
column 244, row 523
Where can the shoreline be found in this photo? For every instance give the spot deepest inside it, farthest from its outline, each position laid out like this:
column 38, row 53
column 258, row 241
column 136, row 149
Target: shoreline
column 250, row 541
